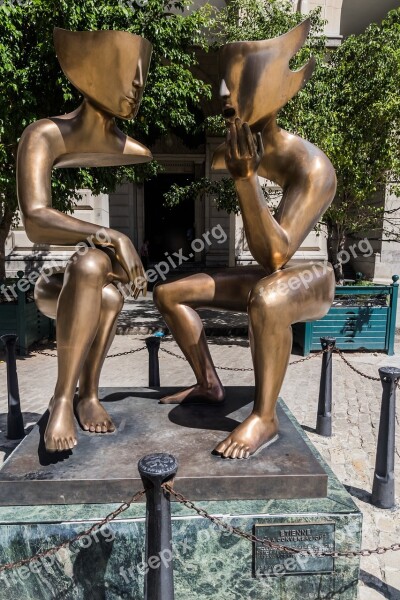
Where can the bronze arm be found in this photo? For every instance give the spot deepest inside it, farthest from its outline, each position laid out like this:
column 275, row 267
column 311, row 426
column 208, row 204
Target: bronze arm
column 45, row 225
column 267, row 240
column 306, row 195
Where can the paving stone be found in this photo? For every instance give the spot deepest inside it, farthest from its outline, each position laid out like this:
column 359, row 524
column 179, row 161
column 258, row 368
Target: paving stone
column 366, row 593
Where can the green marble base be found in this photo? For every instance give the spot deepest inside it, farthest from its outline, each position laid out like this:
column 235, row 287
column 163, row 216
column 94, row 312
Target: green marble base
column 208, row 564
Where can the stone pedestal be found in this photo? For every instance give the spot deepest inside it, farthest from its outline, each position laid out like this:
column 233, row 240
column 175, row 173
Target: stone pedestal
column 52, row 498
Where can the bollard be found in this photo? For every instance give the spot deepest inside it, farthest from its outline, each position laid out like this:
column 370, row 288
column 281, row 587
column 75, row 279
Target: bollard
column 383, row 492
column 15, row 422
column 156, row 469
column 324, row 416
column 153, row 346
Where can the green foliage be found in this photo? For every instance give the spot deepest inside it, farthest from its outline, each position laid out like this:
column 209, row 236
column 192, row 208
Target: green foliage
column 350, row 109
column 32, row 85
column 258, row 20
column 358, row 124
column 222, row 191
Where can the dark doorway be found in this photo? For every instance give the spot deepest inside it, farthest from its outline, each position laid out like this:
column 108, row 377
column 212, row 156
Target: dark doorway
column 167, row 229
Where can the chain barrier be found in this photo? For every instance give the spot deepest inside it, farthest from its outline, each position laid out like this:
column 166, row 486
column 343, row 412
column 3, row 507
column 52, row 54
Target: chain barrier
column 266, row 543
column 205, row 515
column 97, row 526
column 240, row 369
column 220, row 368
column 353, row 368
column 43, row 353
column 294, row 362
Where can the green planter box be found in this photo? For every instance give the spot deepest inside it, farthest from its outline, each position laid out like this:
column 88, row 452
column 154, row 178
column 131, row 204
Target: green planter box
column 22, row 317
column 361, row 318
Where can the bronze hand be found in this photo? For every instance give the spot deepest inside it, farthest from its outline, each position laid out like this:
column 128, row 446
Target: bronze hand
column 128, row 258
column 243, row 153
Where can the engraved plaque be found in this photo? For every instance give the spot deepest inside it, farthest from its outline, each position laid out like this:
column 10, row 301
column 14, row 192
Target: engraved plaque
column 315, row 537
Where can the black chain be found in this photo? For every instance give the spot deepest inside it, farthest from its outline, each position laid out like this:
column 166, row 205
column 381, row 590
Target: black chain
column 295, row 362
column 241, row 369
column 126, row 353
column 111, row 517
column 253, row 538
column 43, row 353
column 314, row 355
column 353, row 368
column 221, row 368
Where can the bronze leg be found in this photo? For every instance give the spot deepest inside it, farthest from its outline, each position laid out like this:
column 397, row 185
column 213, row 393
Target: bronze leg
column 77, row 326
column 300, row 293
column 90, row 413
column 177, row 302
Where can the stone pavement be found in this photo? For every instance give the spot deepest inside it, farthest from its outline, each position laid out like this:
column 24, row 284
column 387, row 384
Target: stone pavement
column 350, row 451
column 141, row 316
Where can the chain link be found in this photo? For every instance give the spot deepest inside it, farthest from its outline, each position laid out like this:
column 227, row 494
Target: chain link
column 126, row 353
column 242, row 369
column 254, row 539
column 221, row 368
column 353, row 368
column 111, row 517
column 313, row 355
column 295, row 362
column 43, row 353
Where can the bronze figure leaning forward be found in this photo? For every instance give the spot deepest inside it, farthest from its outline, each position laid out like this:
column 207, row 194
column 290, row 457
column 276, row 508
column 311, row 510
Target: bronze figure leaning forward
column 109, row 68
column 255, row 83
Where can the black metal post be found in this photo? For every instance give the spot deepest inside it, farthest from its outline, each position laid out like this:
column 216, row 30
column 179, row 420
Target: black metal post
column 15, row 422
column 383, row 492
column 324, row 416
column 156, row 469
column 153, row 346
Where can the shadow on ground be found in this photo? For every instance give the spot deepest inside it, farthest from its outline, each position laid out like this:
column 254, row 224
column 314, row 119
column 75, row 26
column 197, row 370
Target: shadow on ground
column 372, row 582
column 7, row 446
column 360, row 494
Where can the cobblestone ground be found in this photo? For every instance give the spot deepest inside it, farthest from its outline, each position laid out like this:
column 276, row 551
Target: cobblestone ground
column 350, row 451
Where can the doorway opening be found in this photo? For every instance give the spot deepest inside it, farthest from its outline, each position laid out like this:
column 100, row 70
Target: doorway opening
column 168, row 229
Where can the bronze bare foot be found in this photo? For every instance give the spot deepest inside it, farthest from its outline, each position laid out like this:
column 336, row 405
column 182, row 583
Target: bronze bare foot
column 197, row 394
column 251, row 436
column 60, row 434
column 92, row 416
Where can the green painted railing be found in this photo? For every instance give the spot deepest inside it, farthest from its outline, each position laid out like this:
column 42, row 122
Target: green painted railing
column 24, row 318
column 356, row 324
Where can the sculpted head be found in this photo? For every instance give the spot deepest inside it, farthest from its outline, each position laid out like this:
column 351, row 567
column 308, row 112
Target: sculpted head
column 108, row 67
column 255, row 77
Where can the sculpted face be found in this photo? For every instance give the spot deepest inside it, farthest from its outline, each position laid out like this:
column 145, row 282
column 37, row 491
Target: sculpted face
column 255, row 77
column 108, row 67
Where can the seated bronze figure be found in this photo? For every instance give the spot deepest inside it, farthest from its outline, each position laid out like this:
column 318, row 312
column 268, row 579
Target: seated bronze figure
column 255, row 83
column 109, row 68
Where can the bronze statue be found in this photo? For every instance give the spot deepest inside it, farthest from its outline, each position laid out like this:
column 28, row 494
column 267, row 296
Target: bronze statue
column 255, row 83
column 109, row 68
